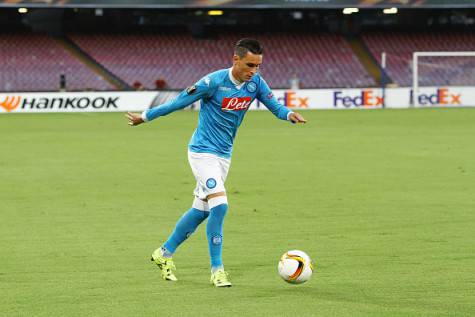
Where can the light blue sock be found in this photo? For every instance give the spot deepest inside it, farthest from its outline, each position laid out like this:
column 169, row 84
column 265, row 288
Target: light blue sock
column 184, row 228
column 214, row 231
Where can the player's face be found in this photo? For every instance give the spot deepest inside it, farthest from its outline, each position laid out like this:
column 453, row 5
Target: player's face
column 247, row 66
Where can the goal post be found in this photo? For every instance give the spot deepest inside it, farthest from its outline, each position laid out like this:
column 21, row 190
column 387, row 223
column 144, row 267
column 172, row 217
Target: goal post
column 416, row 56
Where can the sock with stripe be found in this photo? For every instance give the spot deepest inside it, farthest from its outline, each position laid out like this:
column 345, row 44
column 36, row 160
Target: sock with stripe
column 214, row 230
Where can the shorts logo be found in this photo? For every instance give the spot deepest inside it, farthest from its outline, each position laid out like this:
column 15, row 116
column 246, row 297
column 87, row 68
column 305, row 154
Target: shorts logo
column 251, row 87
column 236, row 103
column 217, row 240
column 211, row 183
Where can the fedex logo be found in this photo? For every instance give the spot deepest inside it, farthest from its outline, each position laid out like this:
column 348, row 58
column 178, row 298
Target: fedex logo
column 291, row 100
column 236, row 103
column 442, row 96
column 367, row 98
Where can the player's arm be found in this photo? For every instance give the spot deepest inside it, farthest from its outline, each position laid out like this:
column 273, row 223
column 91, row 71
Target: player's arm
column 266, row 96
column 201, row 89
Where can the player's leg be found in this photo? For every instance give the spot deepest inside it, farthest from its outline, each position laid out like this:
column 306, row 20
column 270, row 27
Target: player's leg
column 185, row 226
column 210, row 172
column 218, row 205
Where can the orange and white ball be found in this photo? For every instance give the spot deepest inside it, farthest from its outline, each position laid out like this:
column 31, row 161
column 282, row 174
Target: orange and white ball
column 295, row 267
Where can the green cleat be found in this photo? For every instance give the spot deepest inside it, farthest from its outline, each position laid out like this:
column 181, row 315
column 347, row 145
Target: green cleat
column 165, row 265
column 220, row 278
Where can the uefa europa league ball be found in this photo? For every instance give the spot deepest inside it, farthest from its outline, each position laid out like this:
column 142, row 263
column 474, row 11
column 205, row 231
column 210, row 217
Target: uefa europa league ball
column 295, row 267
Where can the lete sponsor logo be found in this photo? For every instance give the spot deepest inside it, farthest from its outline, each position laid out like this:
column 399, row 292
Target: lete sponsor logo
column 11, row 103
column 442, row 96
column 366, row 98
column 236, row 103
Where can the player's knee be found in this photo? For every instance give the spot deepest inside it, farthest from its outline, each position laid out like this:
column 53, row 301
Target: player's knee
column 218, row 199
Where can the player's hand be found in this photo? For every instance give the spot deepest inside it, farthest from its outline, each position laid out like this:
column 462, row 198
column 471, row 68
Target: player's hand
column 297, row 118
column 134, row 119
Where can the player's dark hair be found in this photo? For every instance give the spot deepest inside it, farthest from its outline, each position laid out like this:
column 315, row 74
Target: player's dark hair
column 247, row 45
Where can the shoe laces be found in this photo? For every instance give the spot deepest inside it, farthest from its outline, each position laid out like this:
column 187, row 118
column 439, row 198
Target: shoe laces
column 169, row 265
column 222, row 275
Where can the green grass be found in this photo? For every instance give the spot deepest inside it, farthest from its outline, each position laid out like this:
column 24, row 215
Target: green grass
column 384, row 201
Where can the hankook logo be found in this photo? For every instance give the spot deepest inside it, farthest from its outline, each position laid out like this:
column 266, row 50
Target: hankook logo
column 12, row 102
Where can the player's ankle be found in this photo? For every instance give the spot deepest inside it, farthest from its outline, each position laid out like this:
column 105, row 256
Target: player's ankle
column 165, row 253
column 214, row 269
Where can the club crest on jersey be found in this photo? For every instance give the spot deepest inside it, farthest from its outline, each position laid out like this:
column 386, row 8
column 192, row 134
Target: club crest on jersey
column 236, row 103
column 251, row 86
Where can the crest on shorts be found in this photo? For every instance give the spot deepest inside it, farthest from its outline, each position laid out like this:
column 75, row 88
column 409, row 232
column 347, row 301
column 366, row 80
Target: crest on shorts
column 251, row 87
column 211, row 183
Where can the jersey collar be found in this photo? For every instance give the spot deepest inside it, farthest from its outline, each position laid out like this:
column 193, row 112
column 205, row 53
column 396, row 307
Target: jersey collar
column 234, row 80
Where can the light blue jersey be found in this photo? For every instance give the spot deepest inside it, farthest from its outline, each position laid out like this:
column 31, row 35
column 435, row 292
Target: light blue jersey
column 224, row 102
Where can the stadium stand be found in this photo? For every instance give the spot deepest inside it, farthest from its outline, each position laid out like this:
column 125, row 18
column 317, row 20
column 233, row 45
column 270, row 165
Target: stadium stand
column 318, row 60
column 34, row 62
column 434, row 71
column 166, row 58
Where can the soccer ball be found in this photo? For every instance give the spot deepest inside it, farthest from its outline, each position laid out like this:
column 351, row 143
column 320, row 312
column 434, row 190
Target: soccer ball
column 295, row 267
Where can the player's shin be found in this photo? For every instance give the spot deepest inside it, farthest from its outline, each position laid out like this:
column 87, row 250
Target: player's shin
column 214, row 230
column 185, row 227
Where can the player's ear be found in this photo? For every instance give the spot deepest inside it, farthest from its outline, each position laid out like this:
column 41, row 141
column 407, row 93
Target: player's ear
column 236, row 58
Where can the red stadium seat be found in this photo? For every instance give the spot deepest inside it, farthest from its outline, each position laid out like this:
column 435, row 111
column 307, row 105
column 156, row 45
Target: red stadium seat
column 34, row 62
column 319, row 60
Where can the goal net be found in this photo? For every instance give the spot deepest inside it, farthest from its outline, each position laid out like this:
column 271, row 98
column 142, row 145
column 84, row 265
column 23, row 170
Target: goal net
column 435, row 74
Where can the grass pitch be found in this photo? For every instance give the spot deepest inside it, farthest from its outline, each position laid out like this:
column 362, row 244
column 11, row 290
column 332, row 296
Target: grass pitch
column 383, row 201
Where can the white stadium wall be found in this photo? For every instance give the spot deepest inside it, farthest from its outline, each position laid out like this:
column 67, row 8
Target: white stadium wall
column 365, row 98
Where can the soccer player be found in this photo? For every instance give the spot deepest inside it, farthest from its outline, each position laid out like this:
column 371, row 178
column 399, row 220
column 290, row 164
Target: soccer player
column 225, row 97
